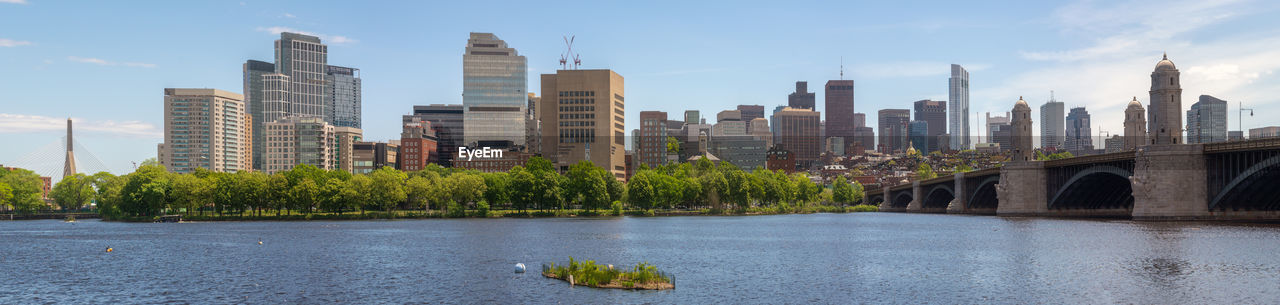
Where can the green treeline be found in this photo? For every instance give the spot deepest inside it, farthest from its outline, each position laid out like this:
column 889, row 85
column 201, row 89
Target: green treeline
column 307, row 190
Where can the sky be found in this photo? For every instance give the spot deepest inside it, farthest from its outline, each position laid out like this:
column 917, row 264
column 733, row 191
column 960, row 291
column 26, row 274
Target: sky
column 105, row 63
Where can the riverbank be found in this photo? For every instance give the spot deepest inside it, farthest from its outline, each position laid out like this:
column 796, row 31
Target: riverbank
column 566, row 213
column 21, row 216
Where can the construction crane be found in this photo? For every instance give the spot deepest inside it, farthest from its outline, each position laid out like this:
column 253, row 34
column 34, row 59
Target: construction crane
column 568, row 54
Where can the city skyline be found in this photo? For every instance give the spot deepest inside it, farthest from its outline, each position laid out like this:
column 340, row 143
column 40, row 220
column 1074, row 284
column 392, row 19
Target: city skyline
column 1097, row 67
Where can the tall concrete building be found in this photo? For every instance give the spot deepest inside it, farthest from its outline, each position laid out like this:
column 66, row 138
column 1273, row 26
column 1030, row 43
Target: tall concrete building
column 918, row 133
column 255, row 92
column 802, row 98
column 692, row 117
column 1079, row 133
column 750, row 113
column 532, row 126
column 1264, row 132
column 773, row 121
column 205, row 128
column 958, row 92
column 744, row 151
column 1207, row 121
column 1021, row 132
column 582, row 114
column 370, row 156
column 1135, row 126
column 1052, row 124
column 893, row 130
column 446, row 122
column 999, row 130
column 934, row 112
column 300, row 140
column 345, row 139
column 799, row 134
column 303, row 58
column 730, row 123
column 494, row 93
column 759, row 128
column 1164, row 114
column 651, row 138
column 342, row 96
column 839, row 110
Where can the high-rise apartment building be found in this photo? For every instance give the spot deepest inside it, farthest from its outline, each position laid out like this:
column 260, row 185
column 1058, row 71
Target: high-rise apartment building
column 342, row 96
column 494, row 93
column 958, row 92
column 255, row 92
column 446, row 122
column 300, row 140
column 799, row 134
column 1164, row 114
column 651, row 138
column 893, row 130
column 304, row 59
column 1052, row 124
column 802, row 98
column 582, row 114
column 345, row 138
column 839, row 109
column 205, row 128
column 934, row 112
column 1207, row 121
column 1079, row 133
column 918, row 134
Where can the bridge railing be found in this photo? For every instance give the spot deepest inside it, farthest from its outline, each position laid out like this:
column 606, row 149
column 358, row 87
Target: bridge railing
column 1233, row 146
column 1101, row 158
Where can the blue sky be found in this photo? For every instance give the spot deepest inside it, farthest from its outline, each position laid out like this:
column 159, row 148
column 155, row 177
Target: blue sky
column 105, row 63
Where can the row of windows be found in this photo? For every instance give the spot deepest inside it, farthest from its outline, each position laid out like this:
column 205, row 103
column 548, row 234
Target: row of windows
column 577, row 93
column 577, row 108
column 577, row 123
column 840, row 87
column 573, row 101
column 577, row 116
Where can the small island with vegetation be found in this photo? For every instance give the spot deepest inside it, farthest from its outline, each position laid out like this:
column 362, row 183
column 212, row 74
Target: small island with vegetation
column 588, row 273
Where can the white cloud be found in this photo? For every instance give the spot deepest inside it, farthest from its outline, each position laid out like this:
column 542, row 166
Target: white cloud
column 332, row 39
column 103, row 62
column 1106, row 73
column 288, row 15
column 14, row 1
column 13, row 43
column 20, row 123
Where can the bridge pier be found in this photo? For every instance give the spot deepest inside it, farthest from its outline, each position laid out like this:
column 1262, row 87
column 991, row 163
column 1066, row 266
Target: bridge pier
column 886, row 205
column 1021, row 190
column 1169, row 183
column 959, row 204
column 917, row 201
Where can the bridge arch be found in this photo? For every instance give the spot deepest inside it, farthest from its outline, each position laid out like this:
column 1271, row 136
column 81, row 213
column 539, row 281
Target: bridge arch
column 939, row 196
column 983, row 196
column 1256, row 188
column 1096, row 187
column 902, row 199
column 876, row 199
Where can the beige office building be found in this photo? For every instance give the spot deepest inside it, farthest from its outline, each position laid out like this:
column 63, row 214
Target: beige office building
column 582, row 119
column 300, row 140
column 346, row 138
column 205, row 128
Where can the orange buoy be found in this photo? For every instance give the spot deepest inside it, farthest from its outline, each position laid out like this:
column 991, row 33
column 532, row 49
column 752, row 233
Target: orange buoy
column 109, row 249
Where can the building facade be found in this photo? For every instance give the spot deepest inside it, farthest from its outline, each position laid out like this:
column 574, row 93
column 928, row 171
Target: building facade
column 802, row 98
column 1207, row 121
column 934, row 112
column 205, row 128
column 918, row 133
column 750, row 113
column 1135, row 126
column 1021, row 131
column 893, row 130
column 303, row 58
column 255, row 92
column 744, row 151
column 370, row 156
column 446, row 123
column 651, row 140
column 799, row 134
column 839, row 109
column 418, row 146
column 1052, row 124
column 300, row 140
column 1264, row 132
column 342, row 96
column 1164, row 116
column 494, row 93
column 346, row 138
column 958, row 93
column 1079, row 133
column 583, row 111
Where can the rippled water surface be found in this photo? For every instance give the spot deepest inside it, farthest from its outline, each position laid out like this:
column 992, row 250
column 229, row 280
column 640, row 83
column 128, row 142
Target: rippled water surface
column 821, row 258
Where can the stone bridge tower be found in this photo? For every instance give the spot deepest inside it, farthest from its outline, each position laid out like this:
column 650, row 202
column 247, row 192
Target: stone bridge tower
column 1135, row 125
column 1165, row 116
column 1021, row 133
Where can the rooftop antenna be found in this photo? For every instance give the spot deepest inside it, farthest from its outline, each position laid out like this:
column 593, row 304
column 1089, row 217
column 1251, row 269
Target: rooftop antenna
column 564, row 58
column 1051, row 98
column 841, row 67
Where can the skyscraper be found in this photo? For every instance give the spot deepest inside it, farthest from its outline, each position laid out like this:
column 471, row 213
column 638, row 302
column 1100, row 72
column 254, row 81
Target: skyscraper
column 1079, row 133
column 205, row 128
column 999, row 130
column 343, row 96
column 494, row 85
column 934, row 112
column 651, row 141
column 1052, row 124
column 255, row 92
column 839, row 108
column 582, row 119
column 446, row 122
column 919, row 133
column 749, row 113
column 1207, row 121
column 958, row 92
column 692, row 117
column 799, row 134
column 729, row 122
column 303, row 59
column 300, row 140
column 802, row 98
column 1164, row 115
column 893, row 130
column 1135, row 125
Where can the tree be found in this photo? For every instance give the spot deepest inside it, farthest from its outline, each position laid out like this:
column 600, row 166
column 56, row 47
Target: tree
column 466, row 187
column 146, row 191
column 673, row 145
column 357, row 192
column 419, row 191
column 6, row 194
column 190, row 192
column 73, row 192
column 586, row 186
column 641, row 191
column 303, row 195
column 387, row 188
column 26, row 189
column 108, row 193
column 497, row 187
column 841, row 191
column 924, row 171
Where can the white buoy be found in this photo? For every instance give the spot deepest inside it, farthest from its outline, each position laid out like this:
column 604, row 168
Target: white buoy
column 570, row 280
column 519, row 267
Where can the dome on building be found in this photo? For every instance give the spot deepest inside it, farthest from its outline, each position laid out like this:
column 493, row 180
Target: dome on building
column 1021, row 105
column 1165, row 64
column 1134, row 103
column 1021, row 102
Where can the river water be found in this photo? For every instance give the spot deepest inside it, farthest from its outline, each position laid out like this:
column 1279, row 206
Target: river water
column 819, row 258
